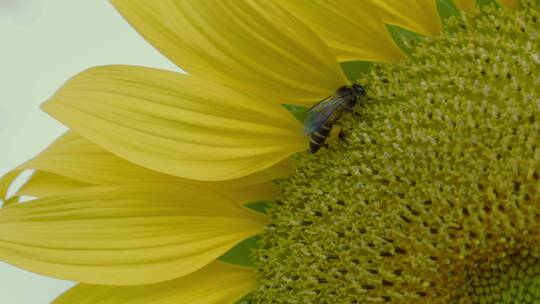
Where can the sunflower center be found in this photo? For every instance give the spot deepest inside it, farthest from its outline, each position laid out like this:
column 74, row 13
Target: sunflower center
column 514, row 279
column 433, row 197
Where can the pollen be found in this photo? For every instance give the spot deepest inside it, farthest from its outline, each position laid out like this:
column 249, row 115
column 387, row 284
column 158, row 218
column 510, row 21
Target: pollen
column 434, row 194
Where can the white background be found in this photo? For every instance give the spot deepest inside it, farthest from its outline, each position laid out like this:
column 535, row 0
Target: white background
column 42, row 44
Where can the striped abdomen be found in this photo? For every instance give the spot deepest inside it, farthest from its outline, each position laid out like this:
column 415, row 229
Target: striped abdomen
column 319, row 137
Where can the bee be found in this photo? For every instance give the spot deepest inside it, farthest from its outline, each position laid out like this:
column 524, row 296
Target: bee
column 321, row 117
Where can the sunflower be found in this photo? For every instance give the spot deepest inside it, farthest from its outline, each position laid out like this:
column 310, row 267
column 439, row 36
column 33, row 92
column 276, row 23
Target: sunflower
column 431, row 197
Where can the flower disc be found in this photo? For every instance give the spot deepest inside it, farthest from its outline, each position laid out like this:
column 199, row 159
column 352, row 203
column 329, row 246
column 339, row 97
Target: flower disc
column 433, row 197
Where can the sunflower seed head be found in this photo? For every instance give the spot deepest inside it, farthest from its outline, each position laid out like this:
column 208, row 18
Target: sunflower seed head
column 434, row 196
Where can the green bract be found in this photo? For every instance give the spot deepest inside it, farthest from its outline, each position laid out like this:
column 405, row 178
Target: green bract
column 434, row 195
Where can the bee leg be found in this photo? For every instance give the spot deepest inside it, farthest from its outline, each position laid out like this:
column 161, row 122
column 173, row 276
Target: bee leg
column 336, row 131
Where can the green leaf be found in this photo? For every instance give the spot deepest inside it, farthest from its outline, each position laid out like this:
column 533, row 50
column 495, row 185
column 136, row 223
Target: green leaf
column 298, row 111
column 404, row 39
column 246, row 300
column 447, row 9
column 241, row 253
column 259, row 206
column 354, row 70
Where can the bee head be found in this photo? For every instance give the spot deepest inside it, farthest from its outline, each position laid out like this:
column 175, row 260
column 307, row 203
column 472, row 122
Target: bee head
column 356, row 93
column 358, row 90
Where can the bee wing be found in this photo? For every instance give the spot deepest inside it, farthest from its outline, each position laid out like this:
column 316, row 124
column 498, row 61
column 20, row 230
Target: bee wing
column 319, row 114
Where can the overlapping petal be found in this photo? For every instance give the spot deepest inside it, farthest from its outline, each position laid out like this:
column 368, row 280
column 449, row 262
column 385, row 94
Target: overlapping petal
column 5, row 183
column 470, row 4
column 43, row 184
column 73, row 162
column 353, row 32
column 216, row 283
column 177, row 124
column 509, row 3
column 253, row 45
column 124, row 235
column 465, row 4
column 418, row 16
column 12, row 200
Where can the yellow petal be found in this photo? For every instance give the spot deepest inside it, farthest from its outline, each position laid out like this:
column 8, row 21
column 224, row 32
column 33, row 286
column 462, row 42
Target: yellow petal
column 254, row 193
column 353, row 32
column 465, row 5
column 418, row 16
column 12, row 200
column 509, row 3
column 73, row 162
column 43, row 184
column 216, row 283
column 177, row 124
column 253, row 45
column 124, row 235
column 5, row 183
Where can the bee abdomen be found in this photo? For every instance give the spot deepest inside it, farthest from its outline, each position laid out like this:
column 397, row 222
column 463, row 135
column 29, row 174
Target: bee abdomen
column 318, row 138
column 325, row 129
column 314, row 146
